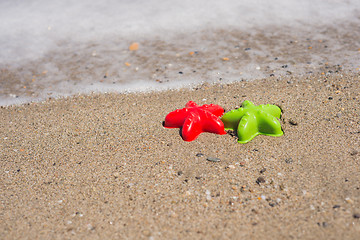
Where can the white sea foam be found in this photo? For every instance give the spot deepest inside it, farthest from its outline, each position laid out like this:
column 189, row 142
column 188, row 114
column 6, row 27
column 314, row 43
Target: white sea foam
column 96, row 34
column 30, row 28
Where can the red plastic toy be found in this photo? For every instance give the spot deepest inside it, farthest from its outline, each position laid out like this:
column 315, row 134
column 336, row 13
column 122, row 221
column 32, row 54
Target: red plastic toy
column 194, row 119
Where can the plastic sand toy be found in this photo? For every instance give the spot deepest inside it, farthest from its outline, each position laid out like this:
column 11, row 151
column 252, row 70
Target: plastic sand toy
column 194, row 119
column 251, row 120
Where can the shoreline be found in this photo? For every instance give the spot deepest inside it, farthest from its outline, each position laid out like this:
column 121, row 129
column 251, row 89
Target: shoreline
column 210, row 55
column 102, row 165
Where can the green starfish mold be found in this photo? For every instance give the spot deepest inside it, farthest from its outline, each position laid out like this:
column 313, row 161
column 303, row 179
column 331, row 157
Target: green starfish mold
column 251, row 120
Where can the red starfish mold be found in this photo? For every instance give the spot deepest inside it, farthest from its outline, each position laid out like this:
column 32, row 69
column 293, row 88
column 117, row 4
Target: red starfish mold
column 194, row 119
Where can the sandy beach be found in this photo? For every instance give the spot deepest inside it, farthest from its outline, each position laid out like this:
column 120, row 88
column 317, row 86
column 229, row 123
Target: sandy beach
column 83, row 150
column 102, row 166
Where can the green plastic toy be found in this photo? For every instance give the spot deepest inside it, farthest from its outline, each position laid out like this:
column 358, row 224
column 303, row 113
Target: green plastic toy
column 251, row 120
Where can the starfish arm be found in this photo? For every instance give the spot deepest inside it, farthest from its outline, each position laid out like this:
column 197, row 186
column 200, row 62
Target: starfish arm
column 211, row 123
column 176, row 118
column 268, row 124
column 190, row 104
column 231, row 119
column 192, row 127
column 214, row 109
column 248, row 128
column 247, row 104
column 271, row 109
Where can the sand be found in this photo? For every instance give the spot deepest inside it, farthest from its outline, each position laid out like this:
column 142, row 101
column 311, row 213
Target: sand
column 102, row 166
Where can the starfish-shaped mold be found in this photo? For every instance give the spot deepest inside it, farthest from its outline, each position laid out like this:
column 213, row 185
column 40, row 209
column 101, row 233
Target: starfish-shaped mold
column 251, row 120
column 194, row 119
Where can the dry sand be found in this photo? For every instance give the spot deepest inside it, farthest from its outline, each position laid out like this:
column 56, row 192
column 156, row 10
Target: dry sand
column 103, row 167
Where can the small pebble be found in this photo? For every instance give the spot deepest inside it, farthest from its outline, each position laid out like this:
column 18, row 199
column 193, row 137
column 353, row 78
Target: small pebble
column 208, row 195
column 289, row 160
column 353, row 153
column 263, row 170
column 336, row 206
column 230, row 167
column 90, row 227
column 134, row 46
column 356, row 215
column 260, row 180
column 146, row 233
column 213, row 159
column 293, row 122
column 199, row 154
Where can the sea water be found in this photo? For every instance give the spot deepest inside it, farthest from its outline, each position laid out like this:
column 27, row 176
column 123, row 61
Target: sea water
column 62, row 48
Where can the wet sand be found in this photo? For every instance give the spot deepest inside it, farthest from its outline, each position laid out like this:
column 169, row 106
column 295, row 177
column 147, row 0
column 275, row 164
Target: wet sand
column 102, row 166
column 207, row 55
